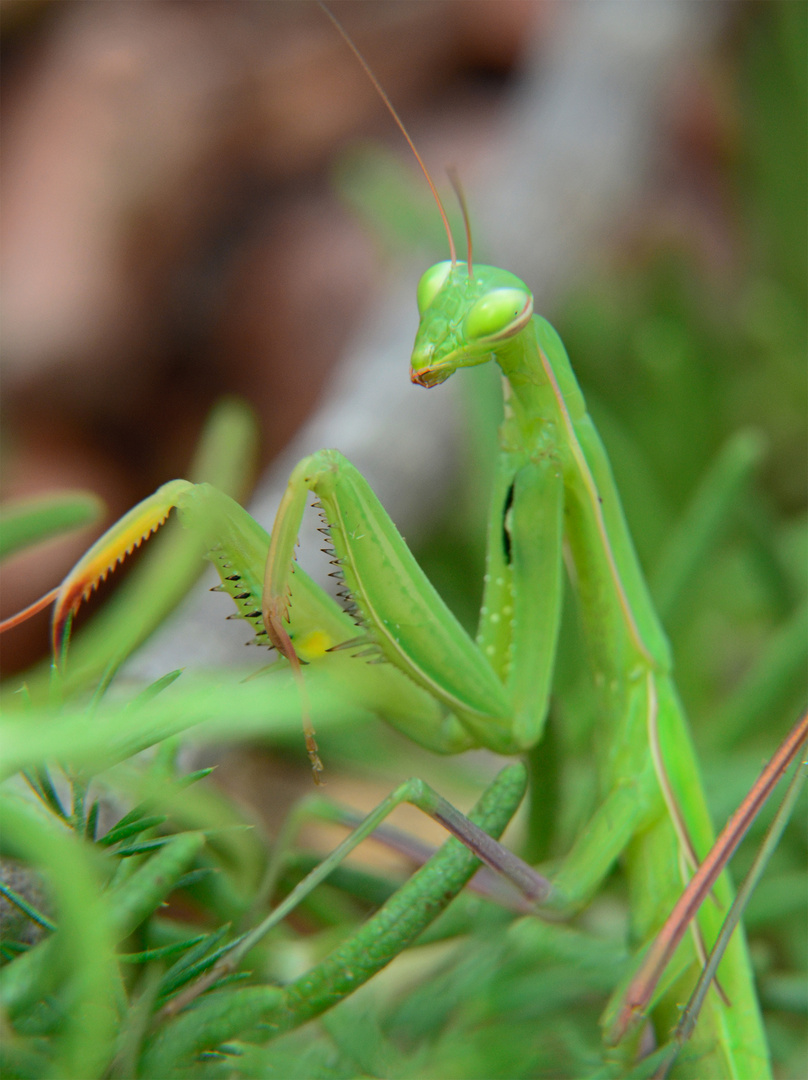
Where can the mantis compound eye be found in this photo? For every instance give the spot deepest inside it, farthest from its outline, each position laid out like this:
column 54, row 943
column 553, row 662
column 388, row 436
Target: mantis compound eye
column 431, row 284
column 499, row 314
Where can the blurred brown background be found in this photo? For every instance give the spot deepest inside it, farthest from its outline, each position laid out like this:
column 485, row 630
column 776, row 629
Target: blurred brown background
column 169, row 230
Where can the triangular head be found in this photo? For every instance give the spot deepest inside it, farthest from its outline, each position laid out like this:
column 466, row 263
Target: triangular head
column 464, row 317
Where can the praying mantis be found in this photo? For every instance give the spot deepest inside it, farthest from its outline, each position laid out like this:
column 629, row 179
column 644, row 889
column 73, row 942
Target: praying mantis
column 553, row 486
column 402, row 652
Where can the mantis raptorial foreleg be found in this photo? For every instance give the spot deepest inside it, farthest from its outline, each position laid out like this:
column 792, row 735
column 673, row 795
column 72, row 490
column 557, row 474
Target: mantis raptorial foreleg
column 496, row 694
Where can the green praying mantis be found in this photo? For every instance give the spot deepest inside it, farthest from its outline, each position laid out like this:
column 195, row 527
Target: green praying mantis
column 397, row 649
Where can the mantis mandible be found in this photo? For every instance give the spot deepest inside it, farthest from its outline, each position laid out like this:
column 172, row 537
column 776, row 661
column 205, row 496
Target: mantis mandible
column 399, row 649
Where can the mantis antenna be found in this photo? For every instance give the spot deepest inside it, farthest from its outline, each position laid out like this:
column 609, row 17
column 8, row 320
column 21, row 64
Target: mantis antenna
column 380, row 91
column 461, row 198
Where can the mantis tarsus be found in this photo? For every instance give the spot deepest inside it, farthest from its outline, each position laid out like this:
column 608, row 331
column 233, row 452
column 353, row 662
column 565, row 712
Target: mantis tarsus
column 553, row 485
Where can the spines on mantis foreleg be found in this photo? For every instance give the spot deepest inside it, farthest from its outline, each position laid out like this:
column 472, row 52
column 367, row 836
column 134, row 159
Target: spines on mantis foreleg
column 108, row 552
column 229, row 537
column 26, row 522
column 157, row 584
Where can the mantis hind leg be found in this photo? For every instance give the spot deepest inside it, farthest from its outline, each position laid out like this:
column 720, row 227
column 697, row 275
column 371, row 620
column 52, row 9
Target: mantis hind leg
column 408, row 911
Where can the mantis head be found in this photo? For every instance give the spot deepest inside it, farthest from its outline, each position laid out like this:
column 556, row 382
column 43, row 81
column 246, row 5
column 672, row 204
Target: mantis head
column 464, row 318
column 465, row 314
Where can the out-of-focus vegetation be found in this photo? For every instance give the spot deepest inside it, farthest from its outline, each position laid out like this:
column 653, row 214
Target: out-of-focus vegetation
column 684, row 340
